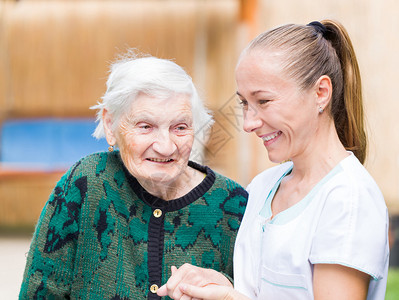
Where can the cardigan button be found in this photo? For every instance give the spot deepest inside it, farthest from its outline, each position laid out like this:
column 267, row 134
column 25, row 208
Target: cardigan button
column 157, row 213
column 154, row 288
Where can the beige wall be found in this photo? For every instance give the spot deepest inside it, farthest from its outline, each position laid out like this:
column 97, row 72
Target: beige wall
column 373, row 26
column 54, row 56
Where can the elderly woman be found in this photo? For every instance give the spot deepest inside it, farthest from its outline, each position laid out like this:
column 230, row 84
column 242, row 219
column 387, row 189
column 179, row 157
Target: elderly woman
column 117, row 220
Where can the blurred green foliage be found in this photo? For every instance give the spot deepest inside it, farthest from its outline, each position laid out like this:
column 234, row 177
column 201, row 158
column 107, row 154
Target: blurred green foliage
column 393, row 284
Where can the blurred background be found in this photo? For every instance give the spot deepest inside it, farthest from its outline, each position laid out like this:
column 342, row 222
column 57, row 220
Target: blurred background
column 54, row 59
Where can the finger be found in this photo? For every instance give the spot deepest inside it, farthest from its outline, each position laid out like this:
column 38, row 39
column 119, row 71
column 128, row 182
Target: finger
column 173, row 269
column 177, row 293
column 175, row 278
column 212, row 292
column 162, row 291
column 187, row 274
column 190, row 274
column 194, row 291
column 171, row 285
column 185, row 297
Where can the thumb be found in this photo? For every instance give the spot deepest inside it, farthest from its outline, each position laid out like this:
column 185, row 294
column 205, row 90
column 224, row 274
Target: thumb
column 162, row 291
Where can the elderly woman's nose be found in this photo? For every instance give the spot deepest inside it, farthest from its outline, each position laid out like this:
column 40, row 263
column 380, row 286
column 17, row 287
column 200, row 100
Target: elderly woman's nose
column 164, row 144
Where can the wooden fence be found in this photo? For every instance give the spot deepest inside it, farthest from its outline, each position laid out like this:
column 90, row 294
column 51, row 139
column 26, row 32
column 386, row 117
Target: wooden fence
column 55, row 56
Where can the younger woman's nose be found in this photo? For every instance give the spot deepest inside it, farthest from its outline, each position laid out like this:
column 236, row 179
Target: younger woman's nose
column 251, row 120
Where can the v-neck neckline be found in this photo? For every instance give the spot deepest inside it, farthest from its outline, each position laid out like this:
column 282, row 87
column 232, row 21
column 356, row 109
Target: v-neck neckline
column 295, row 210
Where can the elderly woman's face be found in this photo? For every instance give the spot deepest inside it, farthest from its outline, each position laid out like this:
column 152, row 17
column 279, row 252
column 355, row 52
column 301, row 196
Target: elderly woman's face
column 156, row 136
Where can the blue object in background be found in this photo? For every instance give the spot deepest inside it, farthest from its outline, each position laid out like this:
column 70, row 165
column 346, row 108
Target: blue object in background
column 47, row 143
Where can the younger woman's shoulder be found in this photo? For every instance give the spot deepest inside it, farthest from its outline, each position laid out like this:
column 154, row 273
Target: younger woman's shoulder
column 352, row 177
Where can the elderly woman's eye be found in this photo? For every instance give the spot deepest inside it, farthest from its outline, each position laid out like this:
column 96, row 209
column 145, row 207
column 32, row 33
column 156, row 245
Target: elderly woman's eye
column 144, row 126
column 181, row 127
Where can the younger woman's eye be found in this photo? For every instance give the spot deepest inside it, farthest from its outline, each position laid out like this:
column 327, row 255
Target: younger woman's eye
column 263, row 101
column 243, row 103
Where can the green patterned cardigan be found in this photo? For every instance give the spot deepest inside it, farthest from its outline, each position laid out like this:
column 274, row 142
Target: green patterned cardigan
column 102, row 236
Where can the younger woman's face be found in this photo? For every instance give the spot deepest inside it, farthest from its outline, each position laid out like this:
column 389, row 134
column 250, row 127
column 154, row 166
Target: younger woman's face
column 275, row 108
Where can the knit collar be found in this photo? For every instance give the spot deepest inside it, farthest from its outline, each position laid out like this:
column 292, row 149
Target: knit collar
column 178, row 203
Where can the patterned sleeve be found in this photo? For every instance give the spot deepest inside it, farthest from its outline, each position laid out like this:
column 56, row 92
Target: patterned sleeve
column 49, row 268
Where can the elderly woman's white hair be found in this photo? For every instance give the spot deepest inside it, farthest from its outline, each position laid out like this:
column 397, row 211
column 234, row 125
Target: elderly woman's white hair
column 131, row 75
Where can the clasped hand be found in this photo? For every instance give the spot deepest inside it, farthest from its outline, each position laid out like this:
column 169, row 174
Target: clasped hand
column 190, row 283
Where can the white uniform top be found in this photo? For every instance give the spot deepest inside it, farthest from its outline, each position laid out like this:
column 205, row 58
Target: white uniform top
column 343, row 220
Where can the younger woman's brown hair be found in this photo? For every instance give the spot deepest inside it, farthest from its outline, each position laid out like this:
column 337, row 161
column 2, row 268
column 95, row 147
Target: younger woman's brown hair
column 310, row 52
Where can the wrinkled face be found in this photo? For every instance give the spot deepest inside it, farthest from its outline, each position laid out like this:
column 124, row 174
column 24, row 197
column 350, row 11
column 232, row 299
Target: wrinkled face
column 275, row 108
column 155, row 138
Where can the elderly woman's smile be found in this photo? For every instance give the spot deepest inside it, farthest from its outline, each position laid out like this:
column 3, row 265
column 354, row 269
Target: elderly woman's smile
column 160, row 160
column 155, row 138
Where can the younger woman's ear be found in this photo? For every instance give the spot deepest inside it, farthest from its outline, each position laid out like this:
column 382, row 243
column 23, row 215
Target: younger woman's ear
column 323, row 91
column 109, row 134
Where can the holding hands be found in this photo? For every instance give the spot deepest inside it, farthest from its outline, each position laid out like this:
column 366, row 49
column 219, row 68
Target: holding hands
column 191, row 282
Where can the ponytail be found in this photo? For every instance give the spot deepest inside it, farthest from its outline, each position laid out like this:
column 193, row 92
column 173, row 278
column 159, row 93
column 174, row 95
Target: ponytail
column 347, row 110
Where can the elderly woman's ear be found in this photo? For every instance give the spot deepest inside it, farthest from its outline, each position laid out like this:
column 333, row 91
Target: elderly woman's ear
column 109, row 134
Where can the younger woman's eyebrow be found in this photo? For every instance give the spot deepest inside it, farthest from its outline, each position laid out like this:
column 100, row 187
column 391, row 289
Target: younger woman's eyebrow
column 252, row 93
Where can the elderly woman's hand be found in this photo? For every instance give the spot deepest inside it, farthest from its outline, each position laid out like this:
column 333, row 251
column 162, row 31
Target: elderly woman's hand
column 188, row 275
